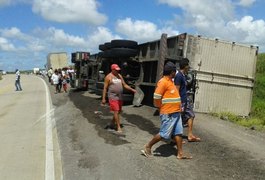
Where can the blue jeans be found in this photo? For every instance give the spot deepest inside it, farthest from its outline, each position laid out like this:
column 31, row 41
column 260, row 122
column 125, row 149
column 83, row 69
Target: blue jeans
column 18, row 86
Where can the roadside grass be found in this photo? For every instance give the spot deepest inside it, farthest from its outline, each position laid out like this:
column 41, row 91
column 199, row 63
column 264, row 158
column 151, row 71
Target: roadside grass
column 253, row 123
column 256, row 120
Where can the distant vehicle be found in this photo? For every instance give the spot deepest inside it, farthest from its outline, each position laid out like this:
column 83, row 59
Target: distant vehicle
column 57, row 60
column 2, row 72
column 36, row 71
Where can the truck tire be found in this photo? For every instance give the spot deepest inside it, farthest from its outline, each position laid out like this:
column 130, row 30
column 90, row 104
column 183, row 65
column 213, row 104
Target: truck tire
column 105, row 54
column 118, row 52
column 107, row 45
column 124, row 44
column 102, row 47
column 123, row 52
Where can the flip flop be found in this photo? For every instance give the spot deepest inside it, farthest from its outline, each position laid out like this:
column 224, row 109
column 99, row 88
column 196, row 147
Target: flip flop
column 194, row 139
column 146, row 152
column 119, row 132
column 184, row 157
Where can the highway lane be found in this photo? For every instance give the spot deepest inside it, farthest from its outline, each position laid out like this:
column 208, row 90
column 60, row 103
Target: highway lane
column 26, row 130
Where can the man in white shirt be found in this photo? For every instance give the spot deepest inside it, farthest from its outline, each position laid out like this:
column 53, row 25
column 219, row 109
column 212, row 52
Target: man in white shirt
column 55, row 81
column 17, row 82
column 50, row 72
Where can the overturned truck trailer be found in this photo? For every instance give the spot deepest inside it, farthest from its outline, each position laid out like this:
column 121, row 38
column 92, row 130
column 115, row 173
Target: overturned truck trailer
column 225, row 71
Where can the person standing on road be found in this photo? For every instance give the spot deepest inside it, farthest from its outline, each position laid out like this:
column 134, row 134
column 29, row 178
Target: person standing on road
column 186, row 101
column 60, row 75
column 17, row 82
column 71, row 73
column 64, row 82
column 50, row 72
column 114, row 84
column 55, row 81
column 167, row 100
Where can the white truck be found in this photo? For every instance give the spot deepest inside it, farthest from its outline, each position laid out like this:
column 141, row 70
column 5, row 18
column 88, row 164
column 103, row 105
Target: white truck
column 36, row 71
column 57, row 60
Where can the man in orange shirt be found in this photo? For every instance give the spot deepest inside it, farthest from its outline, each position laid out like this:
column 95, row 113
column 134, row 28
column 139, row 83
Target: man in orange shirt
column 167, row 99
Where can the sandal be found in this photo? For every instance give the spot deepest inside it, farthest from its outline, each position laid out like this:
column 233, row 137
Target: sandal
column 194, row 139
column 184, row 157
column 146, row 151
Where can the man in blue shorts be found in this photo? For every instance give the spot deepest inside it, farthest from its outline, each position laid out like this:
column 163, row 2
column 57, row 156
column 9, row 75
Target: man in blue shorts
column 167, row 100
column 186, row 101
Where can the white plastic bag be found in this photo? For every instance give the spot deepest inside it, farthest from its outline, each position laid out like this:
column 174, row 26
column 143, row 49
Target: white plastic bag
column 138, row 97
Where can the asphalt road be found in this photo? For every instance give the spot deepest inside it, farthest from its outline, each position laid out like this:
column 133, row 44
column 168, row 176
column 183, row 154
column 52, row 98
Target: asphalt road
column 29, row 147
column 89, row 151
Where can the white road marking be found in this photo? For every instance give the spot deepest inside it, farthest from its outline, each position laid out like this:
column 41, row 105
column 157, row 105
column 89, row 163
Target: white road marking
column 49, row 167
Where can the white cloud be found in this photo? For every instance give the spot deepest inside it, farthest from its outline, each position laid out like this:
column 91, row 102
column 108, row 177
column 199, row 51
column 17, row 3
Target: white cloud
column 5, row 45
column 65, row 11
column 22, row 41
column 246, row 3
column 99, row 36
column 5, row 2
column 56, row 39
column 13, row 2
column 206, row 17
column 211, row 10
column 36, row 46
column 59, row 37
column 14, row 33
column 140, row 30
column 218, row 19
column 253, row 30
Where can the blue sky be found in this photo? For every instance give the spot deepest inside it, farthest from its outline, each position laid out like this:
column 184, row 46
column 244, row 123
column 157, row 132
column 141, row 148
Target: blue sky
column 30, row 29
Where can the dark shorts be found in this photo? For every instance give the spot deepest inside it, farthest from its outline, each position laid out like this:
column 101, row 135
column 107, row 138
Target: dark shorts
column 188, row 113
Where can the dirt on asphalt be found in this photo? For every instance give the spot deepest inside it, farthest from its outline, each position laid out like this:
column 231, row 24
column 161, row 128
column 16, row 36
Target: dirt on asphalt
column 89, row 151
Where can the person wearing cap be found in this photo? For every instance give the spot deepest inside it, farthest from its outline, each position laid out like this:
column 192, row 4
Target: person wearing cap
column 113, row 86
column 17, row 82
column 167, row 100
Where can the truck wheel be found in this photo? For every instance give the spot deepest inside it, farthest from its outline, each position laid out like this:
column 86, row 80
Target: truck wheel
column 124, row 44
column 105, row 54
column 107, row 45
column 102, row 47
column 123, row 52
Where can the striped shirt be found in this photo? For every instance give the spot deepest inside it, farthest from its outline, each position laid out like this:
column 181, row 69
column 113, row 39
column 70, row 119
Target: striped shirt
column 166, row 96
